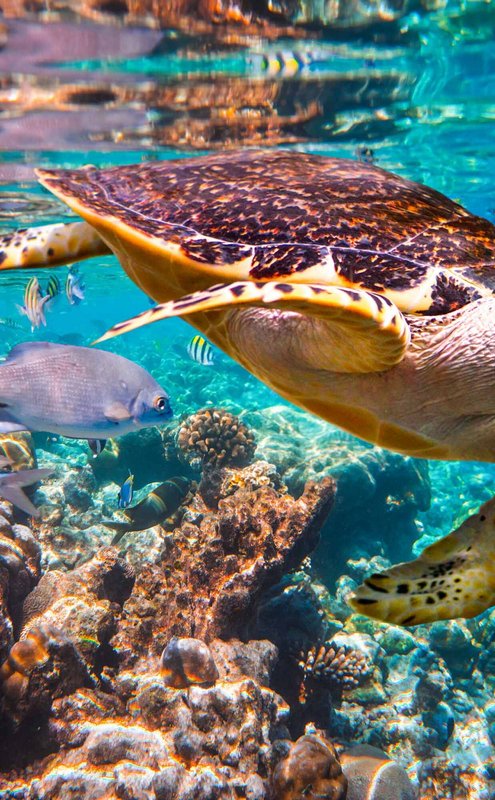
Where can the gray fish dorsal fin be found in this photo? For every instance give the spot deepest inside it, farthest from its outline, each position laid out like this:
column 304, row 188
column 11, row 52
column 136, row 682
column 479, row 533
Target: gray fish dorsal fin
column 30, row 351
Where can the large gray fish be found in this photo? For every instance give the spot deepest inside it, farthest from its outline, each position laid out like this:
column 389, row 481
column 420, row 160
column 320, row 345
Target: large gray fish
column 154, row 509
column 78, row 392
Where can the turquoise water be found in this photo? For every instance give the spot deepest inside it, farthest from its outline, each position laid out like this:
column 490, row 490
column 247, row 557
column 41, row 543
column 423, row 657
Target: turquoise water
column 415, row 95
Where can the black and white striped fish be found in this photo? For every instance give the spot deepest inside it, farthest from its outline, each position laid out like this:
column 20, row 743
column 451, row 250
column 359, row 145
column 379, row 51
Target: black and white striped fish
column 201, row 351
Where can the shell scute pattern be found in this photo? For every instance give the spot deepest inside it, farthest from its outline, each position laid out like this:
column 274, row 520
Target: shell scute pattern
column 285, row 259
column 365, row 226
column 211, row 251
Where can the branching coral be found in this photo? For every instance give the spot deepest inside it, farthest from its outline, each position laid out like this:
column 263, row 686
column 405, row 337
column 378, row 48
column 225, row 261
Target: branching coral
column 336, row 665
column 215, row 437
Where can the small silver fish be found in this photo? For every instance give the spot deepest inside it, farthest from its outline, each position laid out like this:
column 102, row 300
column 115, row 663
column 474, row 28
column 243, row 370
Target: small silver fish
column 79, row 392
column 74, row 287
column 201, row 351
column 126, row 492
column 34, row 304
column 11, row 484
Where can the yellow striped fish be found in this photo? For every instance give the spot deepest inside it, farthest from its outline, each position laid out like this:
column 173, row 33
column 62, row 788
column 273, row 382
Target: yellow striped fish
column 34, row 304
column 201, row 351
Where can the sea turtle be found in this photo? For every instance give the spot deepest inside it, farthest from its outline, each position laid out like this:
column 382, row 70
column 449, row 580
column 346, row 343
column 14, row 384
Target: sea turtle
column 360, row 296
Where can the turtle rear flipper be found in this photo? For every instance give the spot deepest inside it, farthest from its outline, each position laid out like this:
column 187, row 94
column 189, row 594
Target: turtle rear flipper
column 455, row 577
column 365, row 332
column 50, row 245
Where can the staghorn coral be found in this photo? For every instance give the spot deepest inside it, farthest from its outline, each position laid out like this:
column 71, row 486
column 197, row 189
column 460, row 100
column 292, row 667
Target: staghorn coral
column 337, row 665
column 214, row 568
column 215, row 437
column 311, row 769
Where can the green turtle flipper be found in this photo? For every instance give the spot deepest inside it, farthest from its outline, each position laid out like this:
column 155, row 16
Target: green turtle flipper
column 50, row 245
column 455, row 577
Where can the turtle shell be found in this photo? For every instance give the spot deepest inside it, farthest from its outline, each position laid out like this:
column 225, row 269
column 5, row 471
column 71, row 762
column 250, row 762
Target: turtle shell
column 265, row 215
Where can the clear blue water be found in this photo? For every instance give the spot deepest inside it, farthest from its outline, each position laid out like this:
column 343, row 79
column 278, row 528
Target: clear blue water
column 418, row 99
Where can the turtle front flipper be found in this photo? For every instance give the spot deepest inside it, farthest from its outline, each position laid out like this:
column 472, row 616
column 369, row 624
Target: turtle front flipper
column 455, row 577
column 50, row 245
column 365, row 332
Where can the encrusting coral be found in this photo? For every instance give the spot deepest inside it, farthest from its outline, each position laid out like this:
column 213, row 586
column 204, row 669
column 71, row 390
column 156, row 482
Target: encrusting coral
column 84, row 603
column 20, row 559
column 214, row 568
column 39, row 668
column 215, row 437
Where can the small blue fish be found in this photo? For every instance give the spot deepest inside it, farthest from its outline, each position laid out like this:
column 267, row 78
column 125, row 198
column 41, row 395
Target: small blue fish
column 34, row 304
column 53, row 287
column 126, row 492
column 74, row 287
column 201, row 351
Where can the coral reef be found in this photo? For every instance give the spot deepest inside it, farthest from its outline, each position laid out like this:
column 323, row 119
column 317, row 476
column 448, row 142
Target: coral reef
column 394, row 486
column 371, row 775
column 213, row 569
column 84, row 603
column 215, row 437
column 151, row 741
column 20, row 562
column 41, row 667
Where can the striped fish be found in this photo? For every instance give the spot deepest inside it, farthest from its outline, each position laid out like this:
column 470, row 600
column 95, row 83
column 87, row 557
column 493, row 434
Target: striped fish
column 285, row 63
column 53, row 287
column 74, row 287
column 34, row 304
column 201, row 351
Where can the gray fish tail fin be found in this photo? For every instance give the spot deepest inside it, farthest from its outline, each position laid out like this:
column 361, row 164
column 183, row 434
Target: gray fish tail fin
column 11, row 488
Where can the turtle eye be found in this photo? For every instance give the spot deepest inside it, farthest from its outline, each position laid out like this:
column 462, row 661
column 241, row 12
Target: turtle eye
column 160, row 403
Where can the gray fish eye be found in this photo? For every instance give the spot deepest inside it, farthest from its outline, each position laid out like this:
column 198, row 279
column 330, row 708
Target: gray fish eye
column 160, row 403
